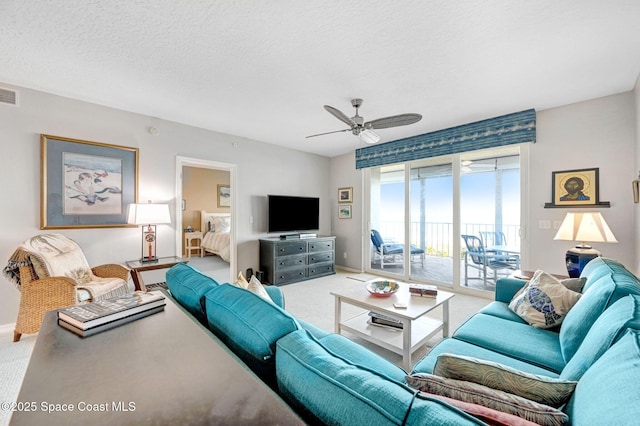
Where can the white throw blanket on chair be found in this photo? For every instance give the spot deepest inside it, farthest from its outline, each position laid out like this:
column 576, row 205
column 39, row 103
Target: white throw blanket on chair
column 54, row 255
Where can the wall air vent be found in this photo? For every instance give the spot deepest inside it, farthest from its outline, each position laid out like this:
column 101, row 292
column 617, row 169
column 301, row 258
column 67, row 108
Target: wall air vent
column 8, row 97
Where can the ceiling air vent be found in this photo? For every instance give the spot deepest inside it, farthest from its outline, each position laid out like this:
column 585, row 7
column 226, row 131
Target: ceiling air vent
column 8, row 97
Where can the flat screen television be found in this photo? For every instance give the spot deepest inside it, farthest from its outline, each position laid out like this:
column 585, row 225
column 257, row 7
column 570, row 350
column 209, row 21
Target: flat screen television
column 292, row 214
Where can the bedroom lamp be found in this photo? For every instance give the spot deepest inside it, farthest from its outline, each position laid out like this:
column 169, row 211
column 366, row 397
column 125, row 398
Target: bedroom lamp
column 583, row 227
column 148, row 215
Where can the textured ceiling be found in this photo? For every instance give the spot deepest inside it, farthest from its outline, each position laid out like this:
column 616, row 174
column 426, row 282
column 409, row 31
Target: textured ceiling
column 263, row 69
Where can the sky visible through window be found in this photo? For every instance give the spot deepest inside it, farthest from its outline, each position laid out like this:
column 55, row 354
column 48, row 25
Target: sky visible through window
column 477, row 194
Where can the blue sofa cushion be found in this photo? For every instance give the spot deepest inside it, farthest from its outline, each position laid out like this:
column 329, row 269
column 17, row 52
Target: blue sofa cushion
column 249, row 325
column 501, row 310
column 454, row 346
column 516, row 340
column 609, row 327
column 188, row 286
column 607, row 394
column 329, row 389
column 600, row 267
column 597, row 297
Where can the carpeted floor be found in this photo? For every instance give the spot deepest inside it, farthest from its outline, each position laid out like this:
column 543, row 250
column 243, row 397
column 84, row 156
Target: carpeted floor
column 309, row 300
column 14, row 358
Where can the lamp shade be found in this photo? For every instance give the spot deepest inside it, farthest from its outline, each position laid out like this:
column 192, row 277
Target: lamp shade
column 146, row 214
column 369, row 136
column 585, row 227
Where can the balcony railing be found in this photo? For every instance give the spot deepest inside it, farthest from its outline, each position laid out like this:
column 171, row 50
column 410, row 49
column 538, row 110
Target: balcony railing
column 437, row 237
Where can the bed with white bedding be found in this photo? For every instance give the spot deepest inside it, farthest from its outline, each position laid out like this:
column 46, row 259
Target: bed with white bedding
column 216, row 228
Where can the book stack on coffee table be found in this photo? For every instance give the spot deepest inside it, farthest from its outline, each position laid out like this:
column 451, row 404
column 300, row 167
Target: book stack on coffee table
column 384, row 321
column 423, row 290
column 91, row 318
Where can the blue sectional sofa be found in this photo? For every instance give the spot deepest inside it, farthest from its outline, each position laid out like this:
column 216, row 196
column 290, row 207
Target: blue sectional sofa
column 329, row 379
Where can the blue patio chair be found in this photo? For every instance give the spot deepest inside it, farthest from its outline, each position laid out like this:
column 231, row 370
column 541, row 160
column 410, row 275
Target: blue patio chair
column 391, row 253
column 476, row 257
column 495, row 239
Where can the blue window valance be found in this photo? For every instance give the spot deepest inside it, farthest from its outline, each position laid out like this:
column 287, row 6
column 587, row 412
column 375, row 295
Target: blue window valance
column 519, row 127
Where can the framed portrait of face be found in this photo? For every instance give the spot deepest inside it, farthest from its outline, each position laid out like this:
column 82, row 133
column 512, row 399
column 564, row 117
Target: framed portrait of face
column 575, row 187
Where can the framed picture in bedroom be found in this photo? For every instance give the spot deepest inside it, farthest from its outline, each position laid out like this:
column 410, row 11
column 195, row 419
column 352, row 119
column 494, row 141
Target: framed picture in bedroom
column 86, row 184
column 224, row 195
column 345, row 195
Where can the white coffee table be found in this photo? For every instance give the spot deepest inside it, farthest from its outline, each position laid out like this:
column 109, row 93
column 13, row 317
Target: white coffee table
column 417, row 329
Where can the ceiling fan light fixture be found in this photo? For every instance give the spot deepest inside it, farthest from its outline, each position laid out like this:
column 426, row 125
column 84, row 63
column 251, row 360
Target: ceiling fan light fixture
column 369, row 136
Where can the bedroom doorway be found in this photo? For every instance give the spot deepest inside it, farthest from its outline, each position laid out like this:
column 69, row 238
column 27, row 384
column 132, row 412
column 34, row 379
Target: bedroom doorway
column 203, row 200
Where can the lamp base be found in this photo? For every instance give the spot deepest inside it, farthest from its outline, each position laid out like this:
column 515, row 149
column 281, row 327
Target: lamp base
column 149, row 260
column 577, row 257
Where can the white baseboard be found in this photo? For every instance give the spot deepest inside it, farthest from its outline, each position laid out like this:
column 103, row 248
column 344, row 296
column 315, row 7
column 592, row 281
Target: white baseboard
column 344, row 268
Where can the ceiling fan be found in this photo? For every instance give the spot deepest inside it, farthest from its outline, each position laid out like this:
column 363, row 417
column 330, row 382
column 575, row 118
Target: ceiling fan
column 364, row 130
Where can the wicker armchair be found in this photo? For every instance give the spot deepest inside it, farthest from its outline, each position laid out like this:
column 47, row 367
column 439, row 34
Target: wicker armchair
column 39, row 295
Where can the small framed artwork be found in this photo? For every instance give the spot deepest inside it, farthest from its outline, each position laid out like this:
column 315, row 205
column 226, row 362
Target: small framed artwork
column 344, row 212
column 86, row 184
column 224, row 195
column 345, row 195
column 576, row 188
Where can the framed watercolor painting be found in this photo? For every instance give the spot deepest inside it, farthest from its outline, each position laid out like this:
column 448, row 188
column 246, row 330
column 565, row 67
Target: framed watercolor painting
column 344, row 212
column 86, row 184
column 576, row 188
column 345, row 195
column 224, row 196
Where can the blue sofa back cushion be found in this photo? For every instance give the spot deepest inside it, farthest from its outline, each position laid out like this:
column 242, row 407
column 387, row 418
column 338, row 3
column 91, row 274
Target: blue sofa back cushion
column 249, row 325
column 188, row 286
column 319, row 381
column 608, row 328
column 597, row 297
column 607, row 394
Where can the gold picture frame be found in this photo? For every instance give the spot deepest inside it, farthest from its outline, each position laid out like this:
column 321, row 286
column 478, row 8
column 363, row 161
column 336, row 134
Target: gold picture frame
column 86, row 184
column 345, row 195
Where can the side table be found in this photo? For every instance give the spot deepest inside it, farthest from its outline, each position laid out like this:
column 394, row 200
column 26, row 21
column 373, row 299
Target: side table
column 189, row 238
column 137, row 267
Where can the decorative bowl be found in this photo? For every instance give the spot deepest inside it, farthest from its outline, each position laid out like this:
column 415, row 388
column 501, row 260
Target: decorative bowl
column 382, row 288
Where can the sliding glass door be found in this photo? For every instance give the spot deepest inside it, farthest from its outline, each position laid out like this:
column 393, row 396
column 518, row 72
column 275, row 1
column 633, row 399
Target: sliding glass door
column 431, row 193
column 427, row 211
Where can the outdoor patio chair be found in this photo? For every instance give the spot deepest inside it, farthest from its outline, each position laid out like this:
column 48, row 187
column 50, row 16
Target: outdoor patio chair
column 391, row 253
column 476, row 257
column 493, row 239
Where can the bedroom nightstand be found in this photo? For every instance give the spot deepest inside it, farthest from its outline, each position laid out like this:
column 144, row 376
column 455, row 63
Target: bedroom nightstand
column 188, row 242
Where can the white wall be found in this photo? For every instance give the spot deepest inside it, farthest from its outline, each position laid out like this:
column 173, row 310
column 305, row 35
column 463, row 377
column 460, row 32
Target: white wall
column 596, row 133
column 262, row 169
column 349, row 238
column 636, row 207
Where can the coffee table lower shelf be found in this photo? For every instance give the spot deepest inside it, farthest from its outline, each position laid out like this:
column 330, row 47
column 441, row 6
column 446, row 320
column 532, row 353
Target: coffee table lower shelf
column 422, row 330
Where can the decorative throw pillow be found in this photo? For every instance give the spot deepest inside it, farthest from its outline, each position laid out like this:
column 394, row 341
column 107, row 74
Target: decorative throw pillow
column 542, row 389
column 241, row 281
column 488, row 415
column 487, row 397
column 544, row 302
column 574, row 284
column 256, row 287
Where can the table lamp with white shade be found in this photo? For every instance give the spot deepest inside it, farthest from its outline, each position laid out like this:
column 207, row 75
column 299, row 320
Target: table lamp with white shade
column 583, row 227
column 149, row 215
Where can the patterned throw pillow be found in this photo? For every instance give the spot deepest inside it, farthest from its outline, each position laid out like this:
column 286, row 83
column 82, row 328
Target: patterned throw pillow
column 574, row 284
column 544, row 302
column 542, row 389
column 487, row 397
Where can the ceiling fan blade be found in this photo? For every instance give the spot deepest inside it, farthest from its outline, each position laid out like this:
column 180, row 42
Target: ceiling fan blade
column 340, row 115
column 393, row 121
column 327, row 133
